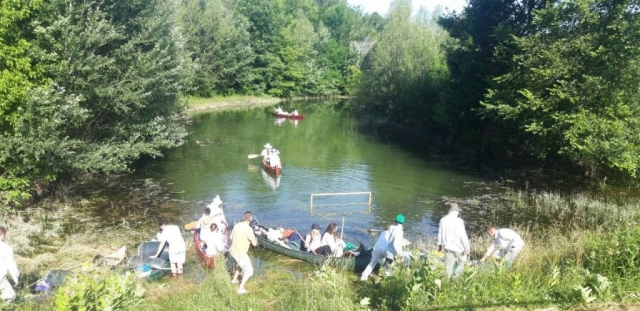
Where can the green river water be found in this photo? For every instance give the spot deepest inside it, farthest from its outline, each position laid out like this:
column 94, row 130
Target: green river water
column 324, row 153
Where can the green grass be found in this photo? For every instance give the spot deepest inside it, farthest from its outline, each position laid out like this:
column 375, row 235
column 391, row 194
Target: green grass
column 271, row 288
column 198, row 101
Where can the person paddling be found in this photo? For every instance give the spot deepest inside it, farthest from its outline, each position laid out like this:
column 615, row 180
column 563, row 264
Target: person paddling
column 266, row 153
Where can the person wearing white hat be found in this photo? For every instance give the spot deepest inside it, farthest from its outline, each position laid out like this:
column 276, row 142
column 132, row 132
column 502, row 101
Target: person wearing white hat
column 453, row 241
column 217, row 214
column 204, row 220
column 266, row 153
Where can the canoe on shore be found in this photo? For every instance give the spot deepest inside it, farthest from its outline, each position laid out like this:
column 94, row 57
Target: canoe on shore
column 150, row 269
column 273, row 170
column 208, row 262
column 350, row 263
column 289, row 116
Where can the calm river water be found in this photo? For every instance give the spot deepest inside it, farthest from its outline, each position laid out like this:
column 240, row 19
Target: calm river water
column 324, row 153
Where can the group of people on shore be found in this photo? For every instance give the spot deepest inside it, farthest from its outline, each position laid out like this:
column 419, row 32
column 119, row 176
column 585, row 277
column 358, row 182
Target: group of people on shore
column 212, row 227
column 452, row 241
column 271, row 156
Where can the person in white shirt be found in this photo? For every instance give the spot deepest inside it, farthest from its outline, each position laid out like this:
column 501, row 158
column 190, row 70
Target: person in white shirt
column 214, row 239
column 506, row 244
column 275, row 159
column 388, row 245
column 453, row 240
column 177, row 248
column 313, row 238
column 330, row 238
column 217, row 214
column 266, row 153
column 204, row 220
column 8, row 267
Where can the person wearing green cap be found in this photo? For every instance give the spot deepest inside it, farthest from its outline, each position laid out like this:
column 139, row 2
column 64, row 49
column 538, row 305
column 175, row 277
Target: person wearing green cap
column 389, row 246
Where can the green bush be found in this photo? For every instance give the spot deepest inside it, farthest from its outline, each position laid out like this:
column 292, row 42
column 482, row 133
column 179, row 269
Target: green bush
column 614, row 254
column 89, row 292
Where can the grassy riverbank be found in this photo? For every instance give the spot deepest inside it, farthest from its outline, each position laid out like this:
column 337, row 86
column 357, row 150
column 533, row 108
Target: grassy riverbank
column 197, row 105
column 581, row 254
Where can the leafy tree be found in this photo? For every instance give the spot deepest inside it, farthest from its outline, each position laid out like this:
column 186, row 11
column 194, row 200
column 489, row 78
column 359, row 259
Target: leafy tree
column 574, row 90
column 404, row 71
column 19, row 73
column 220, row 47
column 266, row 26
column 116, row 69
column 482, row 51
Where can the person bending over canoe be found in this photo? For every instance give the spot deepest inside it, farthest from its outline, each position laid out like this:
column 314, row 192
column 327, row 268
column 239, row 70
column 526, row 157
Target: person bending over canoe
column 330, row 238
column 242, row 237
column 266, row 153
column 177, row 248
column 312, row 241
column 214, row 240
column 389, row 245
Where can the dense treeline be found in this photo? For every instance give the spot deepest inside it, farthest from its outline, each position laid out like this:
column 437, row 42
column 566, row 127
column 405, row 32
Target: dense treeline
column 87, row 87
column 543, row 79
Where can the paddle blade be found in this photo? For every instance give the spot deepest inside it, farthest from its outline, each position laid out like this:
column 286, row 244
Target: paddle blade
column 253, row 156
column 190, row 226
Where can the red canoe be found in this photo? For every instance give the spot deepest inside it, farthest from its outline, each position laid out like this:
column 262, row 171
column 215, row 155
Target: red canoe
column 276, row 171
column 290, row 116
column 209, row 262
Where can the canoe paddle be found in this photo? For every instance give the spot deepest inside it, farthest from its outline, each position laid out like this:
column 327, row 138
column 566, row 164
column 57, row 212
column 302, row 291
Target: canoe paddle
column 253, row 156
column 191, row 225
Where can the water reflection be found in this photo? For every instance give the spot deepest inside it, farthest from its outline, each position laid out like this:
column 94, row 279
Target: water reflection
column 281, row 121
column 272, row 182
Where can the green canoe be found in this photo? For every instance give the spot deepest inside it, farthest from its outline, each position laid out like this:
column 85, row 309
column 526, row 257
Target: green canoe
column 348, row 262
column 141, row 259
